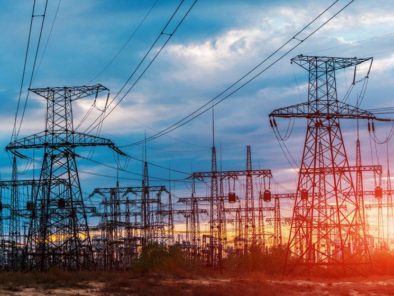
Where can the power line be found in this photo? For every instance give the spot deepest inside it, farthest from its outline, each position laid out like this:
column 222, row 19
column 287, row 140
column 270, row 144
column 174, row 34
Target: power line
column 153, row 178
column 134, row 173
column 233, row 88
column 24, row 70
column 111, row 61
column 49, row 36
column 106, row 176
column 16, row 131
column 167, row 36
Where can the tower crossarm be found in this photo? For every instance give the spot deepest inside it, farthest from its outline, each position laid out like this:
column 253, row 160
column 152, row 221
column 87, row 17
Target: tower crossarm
column 326, row 207
column 29, row 182
column 183, row 212
column 235, row 210
column 75, row 92
column 323, row 109
column 125, row 190
column 320, row 62
column 157, row 189
column 60, row 140
column 284, row 195
column 231, row 174
column 373, row 193
column 376, row 206
column 129, row 202
column 347, row 169
column 196, row 198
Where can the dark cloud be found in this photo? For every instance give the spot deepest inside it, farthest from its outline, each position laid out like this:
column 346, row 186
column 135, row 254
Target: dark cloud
column 219, row 41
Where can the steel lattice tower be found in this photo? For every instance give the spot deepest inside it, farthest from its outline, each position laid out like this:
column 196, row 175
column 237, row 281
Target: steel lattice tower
column 328, row 224
column 250, row 220
column 216, row 212
column 14, row 227
column 58, row 231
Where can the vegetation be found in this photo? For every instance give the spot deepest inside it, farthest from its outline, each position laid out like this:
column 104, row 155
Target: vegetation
column 169, row 271
column 270, row 262
column 159, row 259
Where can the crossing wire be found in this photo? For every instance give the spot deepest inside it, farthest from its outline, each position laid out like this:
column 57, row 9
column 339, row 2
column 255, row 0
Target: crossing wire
column 233, row 88
column 112, row 60
column 16, row 130
column 168, row 35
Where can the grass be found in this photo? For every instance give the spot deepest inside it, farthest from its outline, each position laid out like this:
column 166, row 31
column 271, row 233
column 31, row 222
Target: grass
column 210, row 283
column 162, row 271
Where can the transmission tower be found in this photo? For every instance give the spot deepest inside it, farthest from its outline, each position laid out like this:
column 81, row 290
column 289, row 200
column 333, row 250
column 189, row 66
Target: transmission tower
column 218, row 210
column 389, row 204
column 328, row 224
column 58, row 232
column 250, row 220
column 216, row 217
column 14, row 229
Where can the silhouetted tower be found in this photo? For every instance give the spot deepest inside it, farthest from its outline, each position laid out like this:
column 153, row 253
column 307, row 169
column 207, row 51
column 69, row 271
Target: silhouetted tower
column 390, row 209
column 261, row 222
column 195, row 220
column 58, row 232
column 379, row 202
column 250, row 220
column 216, row 226
column 170, row 219
column 146, row 207
column 325, row 224
column 361, row 221
column 239, row 228
column 277, row 223
column 14, row 227
column 2, row 238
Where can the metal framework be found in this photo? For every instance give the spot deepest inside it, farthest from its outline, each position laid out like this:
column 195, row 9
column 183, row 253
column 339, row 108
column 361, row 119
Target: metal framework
column 321, row 235
column 246, row 217
column 58, row 230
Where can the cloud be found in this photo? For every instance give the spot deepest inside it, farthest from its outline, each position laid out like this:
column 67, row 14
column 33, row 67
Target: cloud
column 384, row 64
column 198, row 63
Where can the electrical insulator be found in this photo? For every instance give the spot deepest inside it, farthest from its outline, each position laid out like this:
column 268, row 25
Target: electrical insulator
column 61, row 203
column 266, row 196
column 232, row 197
column 304, row 194
column 378, row 192
column 29, row 206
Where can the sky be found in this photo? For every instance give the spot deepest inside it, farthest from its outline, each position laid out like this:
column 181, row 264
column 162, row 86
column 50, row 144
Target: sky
column 216, row 44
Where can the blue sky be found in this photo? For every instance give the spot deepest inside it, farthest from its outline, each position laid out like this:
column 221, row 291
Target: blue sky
column 217, row 43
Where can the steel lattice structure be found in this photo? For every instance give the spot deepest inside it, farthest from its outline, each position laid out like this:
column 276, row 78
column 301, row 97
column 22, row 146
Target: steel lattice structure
column 130, row 218
column 246, row 220
column 328, row 223
column 58, row 231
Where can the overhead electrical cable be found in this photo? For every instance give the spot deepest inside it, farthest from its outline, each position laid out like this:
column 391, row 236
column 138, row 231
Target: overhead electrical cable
column 127, row 171
column 16, row 129
column 142, row 66
column 251, row 75
column 24, row 70
column 49, row 37
column 122, row 48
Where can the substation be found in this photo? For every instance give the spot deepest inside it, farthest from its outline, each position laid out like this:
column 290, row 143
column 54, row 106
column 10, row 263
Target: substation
column 336, row 218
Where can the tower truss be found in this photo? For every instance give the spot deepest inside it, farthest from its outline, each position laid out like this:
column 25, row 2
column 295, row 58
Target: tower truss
column 328, row 223
column 58, row 230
